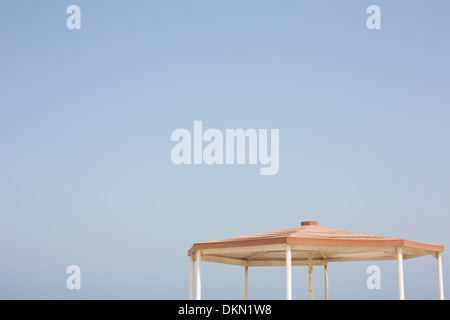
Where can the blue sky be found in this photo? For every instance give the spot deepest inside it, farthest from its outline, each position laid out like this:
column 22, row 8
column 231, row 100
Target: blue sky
column 86, row 118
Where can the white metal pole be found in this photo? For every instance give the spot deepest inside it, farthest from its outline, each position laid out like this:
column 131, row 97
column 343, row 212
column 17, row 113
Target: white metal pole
column 198, row 285
column 288, row 273
column 401, row 289
column 191, row 277
column 246, row 284
column 325, row 272
column 310, row 275
column 440, row 278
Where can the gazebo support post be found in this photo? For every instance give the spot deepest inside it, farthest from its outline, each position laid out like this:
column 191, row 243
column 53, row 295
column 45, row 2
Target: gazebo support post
column 191, row 277
column 401, row 289
column 198, row 284
column 310, row 275
column 325, row 272
column 246, row 283
column 440, row 278
column 288, row 272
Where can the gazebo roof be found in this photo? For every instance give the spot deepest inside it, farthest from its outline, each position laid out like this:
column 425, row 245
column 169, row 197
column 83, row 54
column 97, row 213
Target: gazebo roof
column 324, row 244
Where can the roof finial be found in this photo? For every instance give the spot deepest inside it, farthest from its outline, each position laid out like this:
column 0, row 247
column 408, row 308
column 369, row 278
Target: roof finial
column 309, row 223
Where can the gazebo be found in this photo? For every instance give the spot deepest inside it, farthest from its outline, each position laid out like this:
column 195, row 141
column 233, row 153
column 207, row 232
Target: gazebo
column 307, row 245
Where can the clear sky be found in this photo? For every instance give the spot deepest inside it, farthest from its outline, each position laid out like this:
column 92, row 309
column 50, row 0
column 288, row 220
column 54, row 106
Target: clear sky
column 86, row 117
